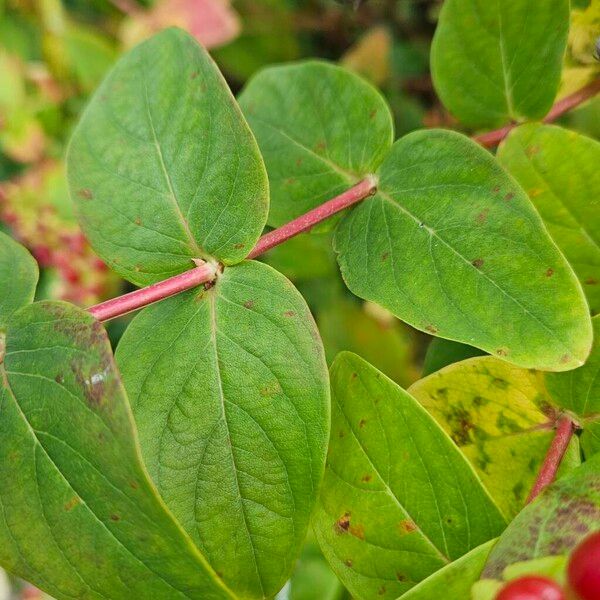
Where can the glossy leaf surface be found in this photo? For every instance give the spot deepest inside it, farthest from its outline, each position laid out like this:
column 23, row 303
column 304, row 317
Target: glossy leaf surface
column 163, row 168
column 398, row 501
column 452, row 245
column 558, row 169
column 320, row 129
column 494, row 61
column 80, row 517
column 230, row 394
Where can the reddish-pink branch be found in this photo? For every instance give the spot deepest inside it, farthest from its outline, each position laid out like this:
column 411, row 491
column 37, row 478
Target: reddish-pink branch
column 205, row 273
column 153, row 293
column 493, row 138
column 547, row 473
column 304, row 222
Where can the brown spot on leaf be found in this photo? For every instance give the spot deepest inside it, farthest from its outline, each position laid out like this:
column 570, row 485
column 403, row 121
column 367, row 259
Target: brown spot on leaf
column 343, row 523
column 400, row 577
column 115, row 517
column 290, row 181
column 381, row 590
column 431, row 329
column 549, row 272
column 341, row 434
column 59, row 379
column 591, row 281
column 358, row 531
column 239, row 246
column 496, row 189
column 133, row 485
column 384, row 256
column 406, row 526
column 502, row 352
column 72, row 503
column 564, row 359
column 354, row 376
column 532, row 150
column 194, row 75
column 321, row 145
column 362, row 423
column 477, row 263
column 509, row 196
column 366, row 478
column 373, row 114
column 535, row 192
column 481, row 218
column 289, row 313
column 138, row 221
column 348, row 563
column 298, row 162
column 85, row 193
column 249, row 304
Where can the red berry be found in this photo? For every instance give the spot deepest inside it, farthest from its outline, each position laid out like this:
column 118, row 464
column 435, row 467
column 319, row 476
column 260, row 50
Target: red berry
column 531, row 588
column 583, row 571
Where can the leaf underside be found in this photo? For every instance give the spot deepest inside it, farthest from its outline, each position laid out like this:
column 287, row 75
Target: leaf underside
column 79, row 515
column 398, row 501
column 229, row 390
column 163, row 167
column 451, row 245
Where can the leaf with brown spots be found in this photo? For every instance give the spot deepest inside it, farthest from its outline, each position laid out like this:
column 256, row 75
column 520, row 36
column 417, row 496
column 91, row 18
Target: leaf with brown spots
column 421, row 507
column 163, row 168
column 563, row 181
column 479, row 283
column 73, row 524
column 562, row 515
column 231, row 400
column 501, row 417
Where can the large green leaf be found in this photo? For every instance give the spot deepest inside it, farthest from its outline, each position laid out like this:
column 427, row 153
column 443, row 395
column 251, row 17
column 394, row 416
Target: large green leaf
column 554, row 523
column 320, row 129
column 559, row 171
column 398, row 501
column 453, row 581
column 579, row 390
column 501, row 417
column 79, row 515
column 18, row 278
column 163, row 168
column 230, row 394
column 494, row 61
column 453, row 246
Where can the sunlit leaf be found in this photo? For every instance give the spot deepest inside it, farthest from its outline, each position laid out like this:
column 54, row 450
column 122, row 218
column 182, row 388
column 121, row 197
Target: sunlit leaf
column 451, row 245
column 558, row 169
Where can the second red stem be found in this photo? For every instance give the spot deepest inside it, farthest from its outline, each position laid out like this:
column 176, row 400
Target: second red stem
column 547, row 473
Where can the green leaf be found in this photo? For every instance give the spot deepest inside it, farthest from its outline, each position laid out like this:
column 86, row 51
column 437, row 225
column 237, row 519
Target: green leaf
column 590, row 438
column 579, row 390
column 500, row 416
column 453, row 246
column 320, row 129
column 398, row 501
column 441, row 353
column 453, row 581
column 558, row 169
column 80, row 517
column 497, row 61
column 562, row 515
column 230, row 394
column 163, row 168
column 18, row 278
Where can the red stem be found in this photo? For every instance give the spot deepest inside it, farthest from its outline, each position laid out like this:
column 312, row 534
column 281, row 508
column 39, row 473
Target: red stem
column 157, row 291
column 493, row 138
column 304, row 222
column 547, row 473
column 205, row 273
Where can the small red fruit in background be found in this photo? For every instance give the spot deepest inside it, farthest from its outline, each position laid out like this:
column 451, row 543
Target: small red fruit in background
column 583, row 570
column 531, row 588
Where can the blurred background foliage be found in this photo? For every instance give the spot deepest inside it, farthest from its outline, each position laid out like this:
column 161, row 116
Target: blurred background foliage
column 54, row 53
